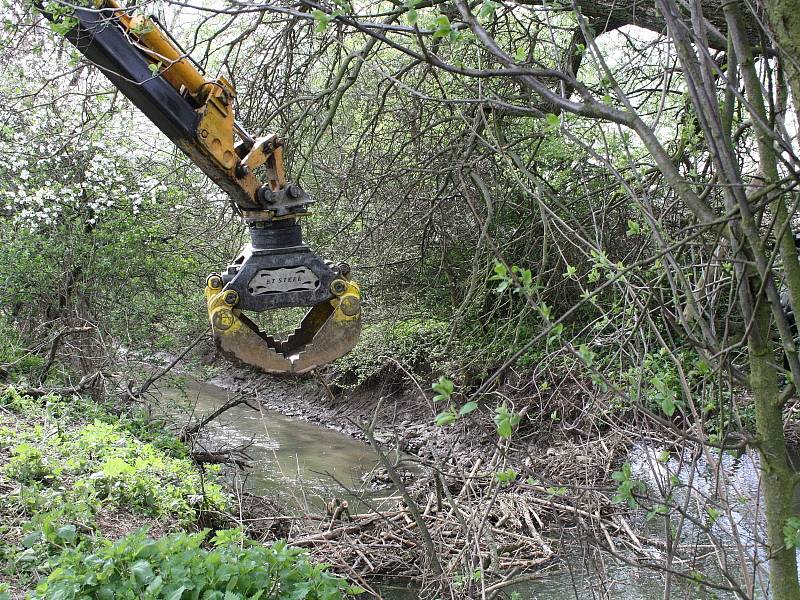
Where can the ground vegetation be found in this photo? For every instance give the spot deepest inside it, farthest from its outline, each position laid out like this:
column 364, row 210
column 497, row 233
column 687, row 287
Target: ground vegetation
column 574, row 224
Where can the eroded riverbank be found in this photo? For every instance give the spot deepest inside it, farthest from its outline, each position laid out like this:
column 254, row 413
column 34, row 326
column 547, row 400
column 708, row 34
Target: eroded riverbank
column 576, row 567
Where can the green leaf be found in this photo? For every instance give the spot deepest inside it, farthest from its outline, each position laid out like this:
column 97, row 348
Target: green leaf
column 713, row 514
column 31, row 539
column 446, row 417
column 443, row 388
column 443, row 27
column 545, row 311
column 506, row 476
column 66, row 533
column 115, row 466
column 521, row 54
column 527, row 279
column 468, row 408
column 555, row 335
column 633, row 228
column 504, row 429
column 27, row 556
column 702, row 367
column 627, row 486
column 505, row 421
column 552, row 121
column 411, row 16
column 177, row 594
column 155, row 585
column 487, row 11
column 355, row 590
column 322, row 19
column 142, row 572
column 586, row 355
column 658, row 509
column 791, row 533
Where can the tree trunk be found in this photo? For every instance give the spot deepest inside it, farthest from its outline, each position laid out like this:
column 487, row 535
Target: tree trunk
column 784, row 19
column 777, row 476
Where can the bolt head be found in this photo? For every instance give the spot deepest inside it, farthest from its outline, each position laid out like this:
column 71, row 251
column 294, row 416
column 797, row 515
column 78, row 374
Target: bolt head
column 231, row 298
column 265, row 195
column 214, row 281
column 223, row 319
column 294, row 191
column 338, row 287
column 350, row 305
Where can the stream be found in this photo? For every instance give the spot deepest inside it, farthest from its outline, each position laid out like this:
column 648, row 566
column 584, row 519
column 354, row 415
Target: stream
column 304, row 465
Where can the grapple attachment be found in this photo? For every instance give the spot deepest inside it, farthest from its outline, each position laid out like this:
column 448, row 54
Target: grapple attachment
column 277, row 270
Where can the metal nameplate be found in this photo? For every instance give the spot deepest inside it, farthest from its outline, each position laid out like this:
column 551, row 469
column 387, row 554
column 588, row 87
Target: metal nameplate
column 280, row 280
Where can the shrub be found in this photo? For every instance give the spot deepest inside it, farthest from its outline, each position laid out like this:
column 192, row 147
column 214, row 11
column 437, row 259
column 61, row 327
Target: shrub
column 107, row 464
column 417, row 344
column 27, row 464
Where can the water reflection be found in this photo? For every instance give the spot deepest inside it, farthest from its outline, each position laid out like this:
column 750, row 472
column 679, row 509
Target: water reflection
column 299, row 461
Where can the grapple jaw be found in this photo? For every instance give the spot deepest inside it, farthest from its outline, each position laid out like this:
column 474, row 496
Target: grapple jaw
column 276, row 270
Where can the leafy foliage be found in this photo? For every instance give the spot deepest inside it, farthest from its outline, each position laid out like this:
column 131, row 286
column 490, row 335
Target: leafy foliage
column 505, row 420
column 417, row 344
column 91, row 227
column 65, row 461
column 103, row 462
column 791, row 533
column 627, row 486
column 177, row 567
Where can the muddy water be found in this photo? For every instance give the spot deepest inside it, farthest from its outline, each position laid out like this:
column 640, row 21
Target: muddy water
column 305, row 465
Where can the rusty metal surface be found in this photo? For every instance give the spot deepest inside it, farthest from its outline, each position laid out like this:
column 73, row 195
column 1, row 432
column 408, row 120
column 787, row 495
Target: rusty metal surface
column 327, row 332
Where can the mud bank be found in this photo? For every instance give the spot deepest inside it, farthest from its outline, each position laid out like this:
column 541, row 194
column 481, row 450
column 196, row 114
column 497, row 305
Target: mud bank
column 401, row 418
column 559, row 437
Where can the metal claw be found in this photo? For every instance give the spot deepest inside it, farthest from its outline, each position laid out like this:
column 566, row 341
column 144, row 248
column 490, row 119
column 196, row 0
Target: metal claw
column 328, row 331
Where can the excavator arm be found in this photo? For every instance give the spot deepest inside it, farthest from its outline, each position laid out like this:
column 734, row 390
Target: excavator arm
column 276, row 269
